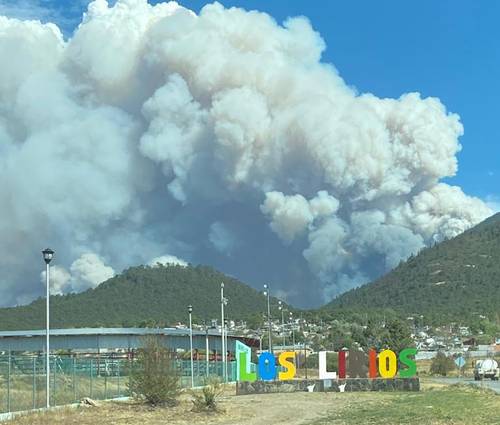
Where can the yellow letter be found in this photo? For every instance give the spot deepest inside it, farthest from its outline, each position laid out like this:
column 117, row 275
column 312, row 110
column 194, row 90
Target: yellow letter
column 387, row 371
column 290, row 373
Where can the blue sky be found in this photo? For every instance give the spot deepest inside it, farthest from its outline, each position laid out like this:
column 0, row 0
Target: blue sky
column 445, row 48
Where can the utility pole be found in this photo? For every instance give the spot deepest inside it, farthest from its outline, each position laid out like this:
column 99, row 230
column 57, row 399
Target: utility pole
column 207, row 359
column 282, row 309
column 226, row 327
column 305, row 355
column 222, row 302
column 293, row 333
column 267, row 294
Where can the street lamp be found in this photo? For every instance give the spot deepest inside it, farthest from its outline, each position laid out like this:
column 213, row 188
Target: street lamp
column 48, row 254
column 190, row 311
column 293, row 332
column 267, row 294
column 282, row 309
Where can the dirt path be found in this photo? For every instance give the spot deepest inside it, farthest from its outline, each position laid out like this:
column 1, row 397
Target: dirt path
column 296, row 409
column 290, row 409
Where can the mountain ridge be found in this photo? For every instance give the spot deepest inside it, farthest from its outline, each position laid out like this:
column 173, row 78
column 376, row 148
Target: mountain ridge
column 141, row 296
column 456, row 278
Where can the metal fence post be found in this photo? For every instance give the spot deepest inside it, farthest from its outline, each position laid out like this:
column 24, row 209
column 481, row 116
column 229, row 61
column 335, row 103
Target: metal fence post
column 105, row 379
column 74, row 378
column 37, row 392
column 118, row 373
column 215, row 364
column 34, row 383
column 8, row 382
column 91, row 378
column 54, row 366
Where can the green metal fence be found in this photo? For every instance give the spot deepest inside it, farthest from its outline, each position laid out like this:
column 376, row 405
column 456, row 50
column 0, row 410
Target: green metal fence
column 23, row 379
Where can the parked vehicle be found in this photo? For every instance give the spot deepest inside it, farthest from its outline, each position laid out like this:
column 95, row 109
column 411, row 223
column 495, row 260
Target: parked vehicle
column 487, row 368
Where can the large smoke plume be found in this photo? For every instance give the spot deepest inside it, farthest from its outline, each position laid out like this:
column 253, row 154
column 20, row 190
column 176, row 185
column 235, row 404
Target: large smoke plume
column 154, row 133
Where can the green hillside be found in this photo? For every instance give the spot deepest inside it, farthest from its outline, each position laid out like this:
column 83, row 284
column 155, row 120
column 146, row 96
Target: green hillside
column 142, row 296
column 458, row 279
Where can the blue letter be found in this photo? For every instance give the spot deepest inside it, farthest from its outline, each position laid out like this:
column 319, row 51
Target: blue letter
column 267, row 367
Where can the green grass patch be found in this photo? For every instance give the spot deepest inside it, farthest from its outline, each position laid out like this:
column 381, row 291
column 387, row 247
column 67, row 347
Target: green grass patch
column 451, row 405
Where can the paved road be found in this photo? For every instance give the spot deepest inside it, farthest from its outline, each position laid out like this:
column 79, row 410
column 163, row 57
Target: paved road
column 488, row 383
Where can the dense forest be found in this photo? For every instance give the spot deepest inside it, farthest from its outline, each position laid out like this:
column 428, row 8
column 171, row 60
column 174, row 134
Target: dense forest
column 143, row 296
column 456, row 280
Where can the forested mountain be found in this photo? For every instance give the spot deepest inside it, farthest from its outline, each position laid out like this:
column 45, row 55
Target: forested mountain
column 458, row 279
column 143, row 296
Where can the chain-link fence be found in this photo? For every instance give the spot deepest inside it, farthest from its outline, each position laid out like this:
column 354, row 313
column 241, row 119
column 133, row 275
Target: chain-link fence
column 23, row 378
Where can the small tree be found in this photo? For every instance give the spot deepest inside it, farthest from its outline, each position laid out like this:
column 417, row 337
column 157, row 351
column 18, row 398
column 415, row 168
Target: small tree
column 441, row 364
column 154, row 377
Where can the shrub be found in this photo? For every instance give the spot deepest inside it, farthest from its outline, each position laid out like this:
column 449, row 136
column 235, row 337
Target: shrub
column 441, row 364
column 208, row 398
column 154, row 377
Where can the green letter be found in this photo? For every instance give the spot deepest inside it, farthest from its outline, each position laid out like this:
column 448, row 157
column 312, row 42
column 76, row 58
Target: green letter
column 411, row 369
column 244, row 375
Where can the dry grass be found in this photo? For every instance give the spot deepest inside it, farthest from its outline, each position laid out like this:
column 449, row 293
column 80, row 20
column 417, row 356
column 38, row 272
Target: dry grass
column 436, row 404
column 121, row 413
column 424, row 366
column 234, row 410
column 23, row 397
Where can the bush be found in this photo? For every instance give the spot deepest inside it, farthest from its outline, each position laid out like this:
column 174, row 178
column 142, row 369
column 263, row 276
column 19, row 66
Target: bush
column 154, row 377
column 441, row 364
column 208, row 398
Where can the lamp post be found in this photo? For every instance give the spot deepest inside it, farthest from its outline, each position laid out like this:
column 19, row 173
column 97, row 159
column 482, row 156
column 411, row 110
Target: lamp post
column 48, row 254
column 281, row 308
column 222, row 303
column 190, row 311
column 293, row 332
column 266, row 293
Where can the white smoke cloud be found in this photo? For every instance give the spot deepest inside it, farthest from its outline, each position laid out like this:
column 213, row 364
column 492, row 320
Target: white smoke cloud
column 222, row 238
column 59, row 280
column 292, row 215
column 86, row 272
column 166, row 260
column 493, row 202
column 220, row 137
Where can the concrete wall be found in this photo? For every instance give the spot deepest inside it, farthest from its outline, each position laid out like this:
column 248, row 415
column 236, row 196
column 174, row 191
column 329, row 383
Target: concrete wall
column 351, row 384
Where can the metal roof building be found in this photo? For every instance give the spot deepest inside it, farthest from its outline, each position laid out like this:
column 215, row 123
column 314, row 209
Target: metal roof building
column 97, row 339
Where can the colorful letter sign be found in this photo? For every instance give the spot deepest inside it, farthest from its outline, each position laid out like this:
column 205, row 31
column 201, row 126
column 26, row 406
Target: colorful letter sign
column 355, row 364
